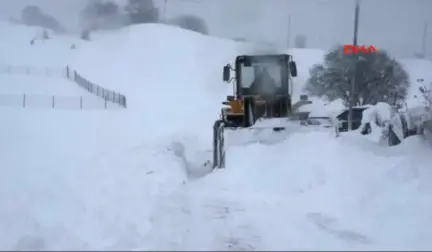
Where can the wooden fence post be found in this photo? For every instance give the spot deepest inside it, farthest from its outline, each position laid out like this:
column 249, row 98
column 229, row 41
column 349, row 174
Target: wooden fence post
column 24, row 100
column 81, row 102
column 53, row 101
column 105, row 103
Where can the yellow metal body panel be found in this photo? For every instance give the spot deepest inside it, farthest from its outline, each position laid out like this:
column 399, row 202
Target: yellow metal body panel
column 236, row 106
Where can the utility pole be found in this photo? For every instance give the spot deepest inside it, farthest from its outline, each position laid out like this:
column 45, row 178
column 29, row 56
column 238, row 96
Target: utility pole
column 424, row 39
column 289, row 32
column 355, row 55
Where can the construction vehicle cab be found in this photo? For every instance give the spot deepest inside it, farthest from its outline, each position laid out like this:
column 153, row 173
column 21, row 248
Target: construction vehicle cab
column 262, row 90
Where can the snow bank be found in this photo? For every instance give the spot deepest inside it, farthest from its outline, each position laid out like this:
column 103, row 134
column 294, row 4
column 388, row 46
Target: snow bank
column 345, row 194
column 75, row 179
column 79, row 180
column 378, row 114
column 378, row 117
column 320, row 108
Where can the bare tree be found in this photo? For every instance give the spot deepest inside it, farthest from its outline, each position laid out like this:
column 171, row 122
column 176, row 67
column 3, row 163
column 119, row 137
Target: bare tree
column 380, row 78
column 142, row 11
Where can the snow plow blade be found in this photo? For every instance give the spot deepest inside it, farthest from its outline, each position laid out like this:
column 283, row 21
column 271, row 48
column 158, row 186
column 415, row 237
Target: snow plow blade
column 267, row 131
column 218, row 144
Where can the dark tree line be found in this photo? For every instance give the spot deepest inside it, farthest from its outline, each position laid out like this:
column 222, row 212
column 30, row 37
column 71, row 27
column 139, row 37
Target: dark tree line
column 105, row 14
column 33, row 15
column 108, row 14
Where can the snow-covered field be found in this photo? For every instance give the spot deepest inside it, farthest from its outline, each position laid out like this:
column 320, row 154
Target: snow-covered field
column 33, row 76
column 20, row 84
column 39, row 91
column 123, row 179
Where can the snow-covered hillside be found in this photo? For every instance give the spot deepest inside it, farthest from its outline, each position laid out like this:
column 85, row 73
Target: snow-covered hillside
column 48, row 53
column 21, row 84
column 124, row 179
column 166, row 73
column 34, row 75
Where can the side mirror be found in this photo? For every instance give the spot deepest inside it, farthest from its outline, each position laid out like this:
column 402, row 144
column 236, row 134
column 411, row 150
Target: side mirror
column 293, row 68
column 227, row 73
column 230, row 98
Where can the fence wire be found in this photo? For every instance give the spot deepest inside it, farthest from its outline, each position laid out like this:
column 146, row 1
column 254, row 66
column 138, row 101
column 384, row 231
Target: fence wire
column 104, row 98
column 106, row 94
column 54, row 102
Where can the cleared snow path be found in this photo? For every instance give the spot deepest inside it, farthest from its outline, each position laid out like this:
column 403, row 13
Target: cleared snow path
column 285, row 197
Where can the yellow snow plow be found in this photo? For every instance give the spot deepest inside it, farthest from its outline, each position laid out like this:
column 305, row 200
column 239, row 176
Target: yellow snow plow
column 261, row 98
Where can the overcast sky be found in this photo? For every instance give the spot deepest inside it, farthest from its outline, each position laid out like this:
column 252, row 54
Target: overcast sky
column 396, row 25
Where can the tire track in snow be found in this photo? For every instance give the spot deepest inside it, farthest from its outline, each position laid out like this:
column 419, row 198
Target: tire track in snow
column 235, row 232
column 191, row 219
column 194, row 218
column 330, row 225
column 224, row 221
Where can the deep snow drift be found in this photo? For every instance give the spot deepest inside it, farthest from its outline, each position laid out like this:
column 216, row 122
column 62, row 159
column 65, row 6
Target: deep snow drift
column 116, row 179
column 71, row 181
